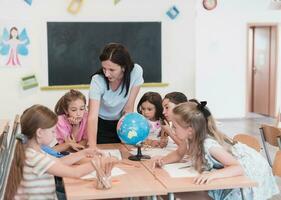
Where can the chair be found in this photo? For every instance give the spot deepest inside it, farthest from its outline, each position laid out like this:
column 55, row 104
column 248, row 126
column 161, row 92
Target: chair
column 272, row 135
column 7, row 158
column 249, row 140
column 276, row 168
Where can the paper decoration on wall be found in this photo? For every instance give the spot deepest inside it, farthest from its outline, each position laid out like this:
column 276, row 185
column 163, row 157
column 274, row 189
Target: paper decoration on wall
column 173, row 12
column 74, row 6
column 116, row 1
column 28, row 82
column 29, row 2
column 13, row 45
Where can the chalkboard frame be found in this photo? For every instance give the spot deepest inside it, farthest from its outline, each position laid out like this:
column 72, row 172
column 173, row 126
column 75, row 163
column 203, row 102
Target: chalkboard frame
column 55, row 77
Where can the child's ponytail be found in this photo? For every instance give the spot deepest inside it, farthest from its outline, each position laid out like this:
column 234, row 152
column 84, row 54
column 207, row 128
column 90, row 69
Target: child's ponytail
column 61, row 104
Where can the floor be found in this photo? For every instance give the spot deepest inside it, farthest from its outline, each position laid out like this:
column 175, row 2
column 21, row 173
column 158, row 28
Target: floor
column 249, row 125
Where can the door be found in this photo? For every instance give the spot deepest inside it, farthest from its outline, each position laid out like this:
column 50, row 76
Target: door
column 263, row 70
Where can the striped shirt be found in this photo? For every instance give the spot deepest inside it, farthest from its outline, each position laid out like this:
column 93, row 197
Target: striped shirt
column 36, row 183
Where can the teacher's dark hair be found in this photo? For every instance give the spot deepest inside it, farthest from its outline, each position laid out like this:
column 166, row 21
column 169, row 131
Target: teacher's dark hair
column 118, row 54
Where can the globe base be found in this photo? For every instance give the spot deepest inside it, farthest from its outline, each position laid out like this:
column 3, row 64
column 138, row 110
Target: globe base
column 139, row 156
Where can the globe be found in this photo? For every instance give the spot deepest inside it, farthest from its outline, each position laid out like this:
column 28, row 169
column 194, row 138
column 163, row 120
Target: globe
column 133, row 128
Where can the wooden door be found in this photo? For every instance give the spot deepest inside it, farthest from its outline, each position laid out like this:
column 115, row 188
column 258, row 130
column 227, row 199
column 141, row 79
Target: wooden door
column 263, row 70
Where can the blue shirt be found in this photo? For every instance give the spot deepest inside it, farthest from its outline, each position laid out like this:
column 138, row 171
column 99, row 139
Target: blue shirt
column 113, row 102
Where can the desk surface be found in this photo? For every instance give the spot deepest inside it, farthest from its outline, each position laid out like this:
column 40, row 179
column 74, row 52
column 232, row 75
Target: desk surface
column 137, row 181
column 186, row 185
column 141, row 181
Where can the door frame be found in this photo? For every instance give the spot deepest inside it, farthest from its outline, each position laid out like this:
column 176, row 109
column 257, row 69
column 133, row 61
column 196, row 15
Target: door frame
column 249, row 61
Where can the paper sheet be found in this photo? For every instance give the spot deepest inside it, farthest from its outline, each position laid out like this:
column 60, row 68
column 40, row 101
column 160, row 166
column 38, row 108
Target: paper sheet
column 113, row 152
column 177, row 170
column 115, row 172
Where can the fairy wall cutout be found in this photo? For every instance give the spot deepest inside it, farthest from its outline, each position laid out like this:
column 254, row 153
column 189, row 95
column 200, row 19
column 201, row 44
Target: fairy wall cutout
column 13, row 46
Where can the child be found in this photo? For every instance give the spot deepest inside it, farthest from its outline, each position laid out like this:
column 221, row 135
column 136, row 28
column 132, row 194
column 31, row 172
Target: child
column 169, row 102
column 72, row 119
column 150, row 107
column 32, row 171
column 216, row 156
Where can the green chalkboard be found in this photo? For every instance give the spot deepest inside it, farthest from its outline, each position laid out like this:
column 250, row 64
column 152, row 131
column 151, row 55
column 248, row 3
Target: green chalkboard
column 74, row 48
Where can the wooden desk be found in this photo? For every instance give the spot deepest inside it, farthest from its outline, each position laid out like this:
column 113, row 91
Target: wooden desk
column 137, row 181
column 185, row 184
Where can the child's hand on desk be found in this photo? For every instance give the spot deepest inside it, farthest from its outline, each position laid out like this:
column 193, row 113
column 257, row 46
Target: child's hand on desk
column 204, row 178
column 157, row 162
column 90, row 153
column 76, row 146
column 70, row 140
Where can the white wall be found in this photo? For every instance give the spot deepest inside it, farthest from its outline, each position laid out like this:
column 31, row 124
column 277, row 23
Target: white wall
column 203, row 52
column 176, row 34
column 221, row 53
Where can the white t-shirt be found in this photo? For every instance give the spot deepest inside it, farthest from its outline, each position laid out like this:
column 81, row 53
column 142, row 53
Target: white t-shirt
column 113, row 102
column 37, row 184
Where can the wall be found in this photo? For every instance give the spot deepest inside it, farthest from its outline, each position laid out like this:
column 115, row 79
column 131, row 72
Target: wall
column 176, row 34
column 221, row 53
column 203, row 52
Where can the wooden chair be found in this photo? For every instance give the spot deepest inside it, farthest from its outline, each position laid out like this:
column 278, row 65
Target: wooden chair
column 249, row 140
column 271, row 135
column 276, row 168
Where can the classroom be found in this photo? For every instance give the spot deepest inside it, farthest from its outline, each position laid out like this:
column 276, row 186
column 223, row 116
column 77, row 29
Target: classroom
column 223, row 52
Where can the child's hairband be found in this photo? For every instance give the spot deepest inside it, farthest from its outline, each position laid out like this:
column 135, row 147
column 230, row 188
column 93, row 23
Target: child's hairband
column 202, row 107
column 22, row 138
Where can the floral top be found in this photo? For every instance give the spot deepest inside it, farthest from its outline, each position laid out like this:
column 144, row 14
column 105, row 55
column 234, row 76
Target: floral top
column 255, row 167
column 155, row 129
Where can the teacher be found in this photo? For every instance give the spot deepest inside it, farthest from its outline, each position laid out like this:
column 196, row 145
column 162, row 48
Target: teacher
column 113, row 92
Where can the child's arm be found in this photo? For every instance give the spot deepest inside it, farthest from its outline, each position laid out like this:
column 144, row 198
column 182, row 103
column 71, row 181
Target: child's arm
column 83, row 142
column 163, row 139
column 68, row 144
column 167, row 129
column 62, row 170
column 231, row 166
column 61, row 147
column 75, row 157
column 174, row 156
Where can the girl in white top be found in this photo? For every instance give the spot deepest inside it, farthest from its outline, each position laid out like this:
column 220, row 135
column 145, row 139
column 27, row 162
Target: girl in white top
column 113, row 91
column 32, row 171
column 215, row 156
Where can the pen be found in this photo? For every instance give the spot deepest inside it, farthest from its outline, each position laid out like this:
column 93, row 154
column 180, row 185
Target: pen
column 184, row 167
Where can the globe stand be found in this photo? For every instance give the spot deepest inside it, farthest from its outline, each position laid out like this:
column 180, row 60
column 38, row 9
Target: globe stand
column 139, row 155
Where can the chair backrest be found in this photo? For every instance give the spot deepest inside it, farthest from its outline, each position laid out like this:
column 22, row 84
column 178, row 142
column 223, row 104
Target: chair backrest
column 249, row 140
column 3, row 148
column 270, row 134
column 8, row 158
column 4, row 138
column 276, row 168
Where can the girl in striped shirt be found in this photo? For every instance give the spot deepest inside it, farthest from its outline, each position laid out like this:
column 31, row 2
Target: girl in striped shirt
column 32, row 171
